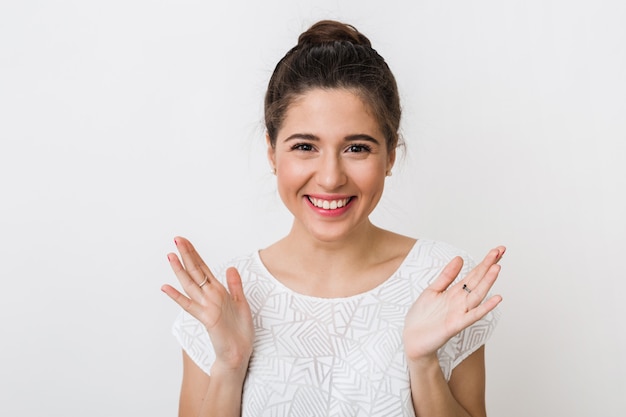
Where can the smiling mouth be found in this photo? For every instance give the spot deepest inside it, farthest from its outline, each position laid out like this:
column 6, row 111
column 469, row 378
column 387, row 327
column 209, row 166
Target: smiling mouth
column 329, row 204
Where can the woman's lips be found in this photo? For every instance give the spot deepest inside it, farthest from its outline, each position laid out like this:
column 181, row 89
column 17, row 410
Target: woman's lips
column 329, row 204
column 330, row 207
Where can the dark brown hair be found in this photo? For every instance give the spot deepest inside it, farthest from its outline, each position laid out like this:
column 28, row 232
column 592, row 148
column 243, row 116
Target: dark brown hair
column 334, row 55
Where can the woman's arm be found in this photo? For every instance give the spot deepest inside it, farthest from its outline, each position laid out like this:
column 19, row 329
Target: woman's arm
column 204, row 395
column 440, row 312
column 226, row 315
column 463, row 396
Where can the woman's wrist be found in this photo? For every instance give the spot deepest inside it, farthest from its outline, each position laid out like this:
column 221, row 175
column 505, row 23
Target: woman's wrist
column 228, row 373
column 423, row 362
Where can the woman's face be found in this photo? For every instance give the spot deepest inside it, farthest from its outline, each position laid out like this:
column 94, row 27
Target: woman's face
column 331, row 160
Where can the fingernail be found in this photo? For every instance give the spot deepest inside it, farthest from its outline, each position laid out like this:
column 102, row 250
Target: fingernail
column 175, row 242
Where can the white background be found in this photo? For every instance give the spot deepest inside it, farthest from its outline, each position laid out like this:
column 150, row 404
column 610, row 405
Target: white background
column 125, row 123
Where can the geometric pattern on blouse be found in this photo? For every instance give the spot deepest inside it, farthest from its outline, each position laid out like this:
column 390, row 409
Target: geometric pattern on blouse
column 334, row 356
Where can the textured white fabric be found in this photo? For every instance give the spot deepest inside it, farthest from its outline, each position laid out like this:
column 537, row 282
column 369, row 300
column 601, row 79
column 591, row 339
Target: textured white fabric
column 334, row 356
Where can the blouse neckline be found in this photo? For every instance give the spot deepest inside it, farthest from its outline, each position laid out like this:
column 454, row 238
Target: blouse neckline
column 384, row 283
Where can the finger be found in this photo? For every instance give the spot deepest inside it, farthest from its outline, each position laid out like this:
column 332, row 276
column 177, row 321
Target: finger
column 492, row 257
column 485, row 284
column 477, row 294
column 235, row 288
column 502, row 250
column 176, row 295
column 185, row 303
column 447, row 275
column 482, row 309
column 190, row 258
column 192, row 261
column 477, row 274
column 189, row 284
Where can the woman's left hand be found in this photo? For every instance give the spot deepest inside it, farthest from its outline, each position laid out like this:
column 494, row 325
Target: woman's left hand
column 442, row 310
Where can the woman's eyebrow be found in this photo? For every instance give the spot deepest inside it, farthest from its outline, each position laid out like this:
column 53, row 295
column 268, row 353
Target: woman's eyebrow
column 305, row 136
column 349, row 138
column 362, row 137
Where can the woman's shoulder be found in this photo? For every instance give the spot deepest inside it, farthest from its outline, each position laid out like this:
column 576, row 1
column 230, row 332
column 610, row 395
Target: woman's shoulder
column 421, row 247
column 244, row 263
column 435, row 253
column 439, row 249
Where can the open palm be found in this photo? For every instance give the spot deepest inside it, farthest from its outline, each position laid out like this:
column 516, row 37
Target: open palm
column 224, row 312
column 443, row 310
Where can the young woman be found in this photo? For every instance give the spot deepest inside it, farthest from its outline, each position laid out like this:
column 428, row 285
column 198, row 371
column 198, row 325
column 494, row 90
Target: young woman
column 340, row 317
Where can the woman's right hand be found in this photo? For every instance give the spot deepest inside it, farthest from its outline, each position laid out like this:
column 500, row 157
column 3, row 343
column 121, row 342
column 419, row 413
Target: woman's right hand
column 225, row 313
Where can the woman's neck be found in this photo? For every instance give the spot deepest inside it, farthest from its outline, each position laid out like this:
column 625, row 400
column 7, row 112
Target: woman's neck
column 338, row 268
column 357, row 243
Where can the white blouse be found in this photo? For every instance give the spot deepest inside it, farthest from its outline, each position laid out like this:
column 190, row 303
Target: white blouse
column 334, row 356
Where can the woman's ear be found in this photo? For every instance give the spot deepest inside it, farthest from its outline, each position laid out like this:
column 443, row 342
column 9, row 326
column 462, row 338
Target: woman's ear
column 391, row 160
column 271, row 153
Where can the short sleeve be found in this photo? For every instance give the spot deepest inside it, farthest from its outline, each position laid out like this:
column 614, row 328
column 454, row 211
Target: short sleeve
column 195, row 341
column 470, row 339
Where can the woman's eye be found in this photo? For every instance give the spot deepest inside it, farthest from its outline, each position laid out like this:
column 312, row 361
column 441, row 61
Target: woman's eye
column 302, row 147
column 359, row 148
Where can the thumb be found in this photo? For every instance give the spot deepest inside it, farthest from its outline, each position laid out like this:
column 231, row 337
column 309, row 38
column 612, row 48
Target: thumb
column 235, row 288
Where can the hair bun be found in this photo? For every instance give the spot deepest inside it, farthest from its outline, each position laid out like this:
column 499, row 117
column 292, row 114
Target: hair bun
column 330, row 31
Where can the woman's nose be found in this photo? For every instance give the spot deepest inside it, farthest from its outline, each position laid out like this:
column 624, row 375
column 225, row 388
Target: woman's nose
column 331, row 172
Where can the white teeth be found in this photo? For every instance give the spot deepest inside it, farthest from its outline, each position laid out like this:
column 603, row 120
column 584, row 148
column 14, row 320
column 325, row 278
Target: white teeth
column 329, row 204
